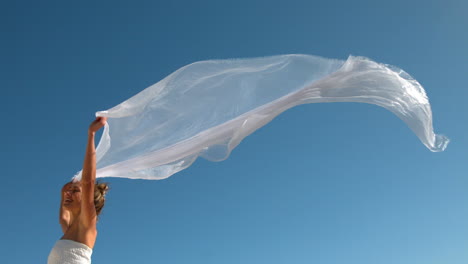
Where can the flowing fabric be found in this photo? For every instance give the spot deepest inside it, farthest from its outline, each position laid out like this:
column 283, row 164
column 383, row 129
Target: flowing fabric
column 206, row 108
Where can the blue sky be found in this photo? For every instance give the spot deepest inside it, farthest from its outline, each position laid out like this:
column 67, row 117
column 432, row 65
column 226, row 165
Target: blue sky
column 322, row 183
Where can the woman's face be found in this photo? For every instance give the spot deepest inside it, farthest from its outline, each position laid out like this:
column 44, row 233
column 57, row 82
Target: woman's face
column 72, row 195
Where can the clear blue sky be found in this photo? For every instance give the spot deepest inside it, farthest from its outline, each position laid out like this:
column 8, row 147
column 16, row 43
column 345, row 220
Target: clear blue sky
column 334, row 183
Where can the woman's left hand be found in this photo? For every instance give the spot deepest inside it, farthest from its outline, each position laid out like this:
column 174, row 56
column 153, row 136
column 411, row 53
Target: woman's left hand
column 97, row 124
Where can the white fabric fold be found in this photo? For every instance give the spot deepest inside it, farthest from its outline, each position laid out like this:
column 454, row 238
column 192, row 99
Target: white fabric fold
column 70, row 252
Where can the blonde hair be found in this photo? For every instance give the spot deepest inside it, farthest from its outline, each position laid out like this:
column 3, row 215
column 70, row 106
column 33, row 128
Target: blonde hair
column 100, row 190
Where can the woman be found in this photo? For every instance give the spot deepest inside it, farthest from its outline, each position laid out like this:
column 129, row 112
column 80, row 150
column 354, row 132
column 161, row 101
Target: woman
column 81, row 203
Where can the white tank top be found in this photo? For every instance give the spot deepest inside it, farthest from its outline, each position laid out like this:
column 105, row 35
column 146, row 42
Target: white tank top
column 70, row 252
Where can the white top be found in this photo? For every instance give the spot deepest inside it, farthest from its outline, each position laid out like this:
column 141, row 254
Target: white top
column 70, row 252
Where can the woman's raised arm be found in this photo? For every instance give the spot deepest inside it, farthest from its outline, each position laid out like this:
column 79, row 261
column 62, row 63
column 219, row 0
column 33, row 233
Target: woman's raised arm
column 88, row 211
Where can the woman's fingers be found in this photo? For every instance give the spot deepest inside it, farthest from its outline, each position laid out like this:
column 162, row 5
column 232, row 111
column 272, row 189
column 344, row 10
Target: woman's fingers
column 98, row 123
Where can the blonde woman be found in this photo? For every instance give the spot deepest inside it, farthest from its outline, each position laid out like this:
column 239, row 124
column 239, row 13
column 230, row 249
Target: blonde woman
column 80, row 206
